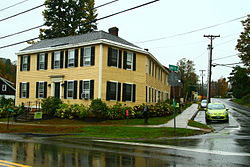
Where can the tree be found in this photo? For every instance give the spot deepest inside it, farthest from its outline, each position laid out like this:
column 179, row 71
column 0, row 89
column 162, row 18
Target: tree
column 188, row 76
column 219, row 88
column 68, row 17
column 240, row 82
column 7, row 70
column 243, row 45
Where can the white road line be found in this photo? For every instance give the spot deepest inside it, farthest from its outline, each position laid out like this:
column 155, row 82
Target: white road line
column 216, row 152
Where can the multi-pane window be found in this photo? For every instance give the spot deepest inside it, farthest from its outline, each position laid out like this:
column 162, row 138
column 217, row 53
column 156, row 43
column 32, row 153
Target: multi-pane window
column 129, row 64
column 87, row 56
column 86, row 90
column 128, row 92
column 4, row 88
column 70, row 89
column 71, row 58
column 25, row 63
column 41, row 89
column 56, row 59
column 113, row 91
column 41, row 61
column 114, row 57
column 24, row 90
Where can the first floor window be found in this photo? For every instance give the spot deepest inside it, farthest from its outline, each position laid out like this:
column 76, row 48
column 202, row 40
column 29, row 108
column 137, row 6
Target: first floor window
column 113, row 91
column 41, row 89
column 24, row 90
column 70, row 89
column 86, row 89
column 128, row 92
column 4, row 88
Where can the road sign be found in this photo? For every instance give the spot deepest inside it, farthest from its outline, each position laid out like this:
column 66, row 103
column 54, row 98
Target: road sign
column 173, row 68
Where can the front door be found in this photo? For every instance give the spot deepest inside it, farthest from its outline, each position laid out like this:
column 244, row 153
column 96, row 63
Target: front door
column 57, row 90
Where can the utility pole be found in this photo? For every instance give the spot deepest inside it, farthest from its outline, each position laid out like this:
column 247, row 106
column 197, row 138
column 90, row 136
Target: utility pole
column 210, row 47
column 202, row 90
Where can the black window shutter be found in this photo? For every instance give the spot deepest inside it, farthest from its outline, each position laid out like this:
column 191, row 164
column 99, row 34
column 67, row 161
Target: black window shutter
column 120, row 59
column 20, row 90
column 93, row 55
column 21, row 64
column 125, row 60
column 76, row 57
column 61, row 59
column 52, row 60
column 134, row 62
column 65, row 89
column 75, row 90
column 81, row 58
column 108, row 91
column 45, row 90
column 66, row 59
column 146, row 94
column 37, row 86
column 80, row 89
column 37, row 62
column 123, row 92
column 119, row 92
column 28, row 90
column 109, row 56
column 46, row 61
column 28, row 63
column 134, row 93
column 92, row 89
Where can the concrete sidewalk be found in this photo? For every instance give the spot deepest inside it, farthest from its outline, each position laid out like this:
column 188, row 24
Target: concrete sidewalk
column 182, row 119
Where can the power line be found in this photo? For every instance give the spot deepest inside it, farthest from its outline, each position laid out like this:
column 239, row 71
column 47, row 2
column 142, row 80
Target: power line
column 226, row 57
column 111, row 15
column 13, row 5
column 189, row 32
column 20, row 32
column 21, row 13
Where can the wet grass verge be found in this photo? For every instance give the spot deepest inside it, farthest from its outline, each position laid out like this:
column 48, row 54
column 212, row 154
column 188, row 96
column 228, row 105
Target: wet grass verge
column 198, row 125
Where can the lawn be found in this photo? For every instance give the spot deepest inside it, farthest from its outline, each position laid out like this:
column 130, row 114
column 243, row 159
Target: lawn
column 197, row 124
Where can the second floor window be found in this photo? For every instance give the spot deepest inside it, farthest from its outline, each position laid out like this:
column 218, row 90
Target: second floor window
column 71, row 58
column 129, row 61
column 41, row 61
column 25, row 63
column 114, row 57
column 57, row 59
column 87, row 56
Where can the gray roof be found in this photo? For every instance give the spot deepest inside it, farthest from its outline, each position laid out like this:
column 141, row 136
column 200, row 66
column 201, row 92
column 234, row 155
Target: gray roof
column 88, row 37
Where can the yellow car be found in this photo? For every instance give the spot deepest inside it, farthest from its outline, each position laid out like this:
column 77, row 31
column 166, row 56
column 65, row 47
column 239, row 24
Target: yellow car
column 216, row 112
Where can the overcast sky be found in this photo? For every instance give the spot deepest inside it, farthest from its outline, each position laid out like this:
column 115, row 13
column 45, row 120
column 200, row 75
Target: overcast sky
column 161, row 19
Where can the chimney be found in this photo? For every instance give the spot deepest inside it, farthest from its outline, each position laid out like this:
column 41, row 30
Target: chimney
column 114, row 31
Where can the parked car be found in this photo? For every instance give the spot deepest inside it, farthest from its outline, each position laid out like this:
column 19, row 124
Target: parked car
column 203, row 103
column 216, row 112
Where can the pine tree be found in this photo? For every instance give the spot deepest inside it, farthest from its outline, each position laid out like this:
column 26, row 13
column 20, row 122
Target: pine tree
column 68, row 17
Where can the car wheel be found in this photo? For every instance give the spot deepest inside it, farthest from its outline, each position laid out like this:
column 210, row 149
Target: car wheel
column 207, row 121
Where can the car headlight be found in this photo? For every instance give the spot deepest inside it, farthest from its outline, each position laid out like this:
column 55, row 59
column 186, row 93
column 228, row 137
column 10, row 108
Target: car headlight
column 225, row 113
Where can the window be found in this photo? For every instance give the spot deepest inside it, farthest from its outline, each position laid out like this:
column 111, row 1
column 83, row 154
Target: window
column 113, row 91
column 24, row 90
column 128, row 92
column 41, row 61
column 41, row 89
column 71, row 58
column 87, row 56
column 70, row 89
column 4, row 88
column 129, row 61
column 114, row 57
column 25, row 63
column 86, row 89
column 57, row 59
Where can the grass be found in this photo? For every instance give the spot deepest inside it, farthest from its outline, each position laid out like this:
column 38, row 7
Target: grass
column 197, row 124
column 241, row 102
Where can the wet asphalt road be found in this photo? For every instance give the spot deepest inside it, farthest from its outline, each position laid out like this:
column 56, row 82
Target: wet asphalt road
column 228, row 146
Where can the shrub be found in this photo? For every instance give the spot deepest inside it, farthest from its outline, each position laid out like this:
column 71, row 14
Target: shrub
column 118, row 111
column 98, row 108
column 50, row 104
column 6, row 102
column 246, row 99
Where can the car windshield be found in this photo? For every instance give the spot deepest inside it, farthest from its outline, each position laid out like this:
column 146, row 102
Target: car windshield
column 216, row 106
column 204, row 101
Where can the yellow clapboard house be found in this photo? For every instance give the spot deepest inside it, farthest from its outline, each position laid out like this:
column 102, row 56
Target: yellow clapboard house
column 89, row 66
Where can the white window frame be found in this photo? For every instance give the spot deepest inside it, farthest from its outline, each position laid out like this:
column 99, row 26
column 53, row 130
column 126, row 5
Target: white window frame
column 68, row 90
column 116, row 95
column 57, row 59
column 129, row 62
column 87, row 56
column 85, row 91
column 25, row 63
column 41, row 91
column 42, row 61
column 71, row 58
column 4, row 88
column 24, row 91
column 132, row 92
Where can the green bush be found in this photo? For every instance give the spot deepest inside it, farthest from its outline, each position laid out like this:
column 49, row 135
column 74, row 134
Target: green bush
column 246, row 99
column 118, row 111
column 6, row 102
column 98, row 108
column 50, row 104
